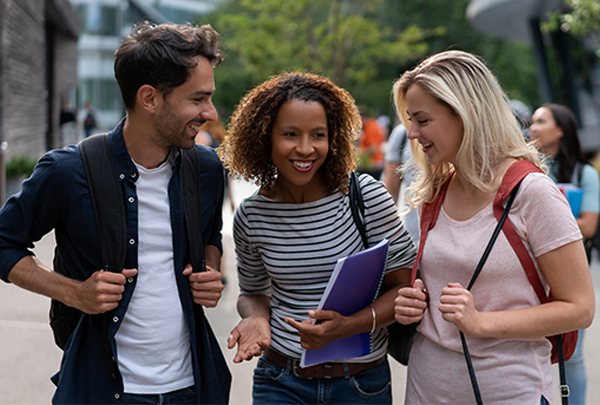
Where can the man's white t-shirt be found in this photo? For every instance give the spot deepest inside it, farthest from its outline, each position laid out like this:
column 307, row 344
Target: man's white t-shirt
column 153, row 344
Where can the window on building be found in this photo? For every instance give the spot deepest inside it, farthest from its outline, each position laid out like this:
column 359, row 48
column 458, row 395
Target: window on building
column 98, row 19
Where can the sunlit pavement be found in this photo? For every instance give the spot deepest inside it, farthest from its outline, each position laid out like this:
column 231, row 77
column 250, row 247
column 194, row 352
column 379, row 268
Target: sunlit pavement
column 28, row 356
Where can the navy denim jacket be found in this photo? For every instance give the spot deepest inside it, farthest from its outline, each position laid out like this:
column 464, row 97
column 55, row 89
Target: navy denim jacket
column 57, row 197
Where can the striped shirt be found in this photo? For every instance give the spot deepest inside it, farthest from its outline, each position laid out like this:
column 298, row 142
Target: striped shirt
column 289, row 251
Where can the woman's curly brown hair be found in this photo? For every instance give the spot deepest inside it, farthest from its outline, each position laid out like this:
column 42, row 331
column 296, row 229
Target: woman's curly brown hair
column 246, row 150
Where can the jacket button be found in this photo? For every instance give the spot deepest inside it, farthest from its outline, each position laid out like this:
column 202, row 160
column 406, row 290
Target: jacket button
column 117, row 396
column 115, row 319
column 132, row 241
column 131, row 199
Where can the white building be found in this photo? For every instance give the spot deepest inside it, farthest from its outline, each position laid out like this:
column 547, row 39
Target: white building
column 103, row 24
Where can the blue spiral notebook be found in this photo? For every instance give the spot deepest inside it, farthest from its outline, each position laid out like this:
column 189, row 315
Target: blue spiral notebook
column 353, row 285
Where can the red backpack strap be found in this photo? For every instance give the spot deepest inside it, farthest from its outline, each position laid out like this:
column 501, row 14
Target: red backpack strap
column 515, row 173
column 429, row 215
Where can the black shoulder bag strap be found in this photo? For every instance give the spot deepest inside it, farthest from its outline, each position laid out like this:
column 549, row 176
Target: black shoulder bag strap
column 482, row 261
column 357, row 205
column 109, row 212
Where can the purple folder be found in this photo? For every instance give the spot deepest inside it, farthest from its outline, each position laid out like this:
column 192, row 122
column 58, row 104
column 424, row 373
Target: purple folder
column 353, row 285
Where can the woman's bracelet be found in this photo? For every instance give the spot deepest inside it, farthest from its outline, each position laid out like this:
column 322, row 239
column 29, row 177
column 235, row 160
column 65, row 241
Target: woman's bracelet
column 374, row 319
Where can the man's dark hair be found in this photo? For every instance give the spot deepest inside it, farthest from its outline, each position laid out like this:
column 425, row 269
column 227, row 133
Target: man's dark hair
column 160, row 56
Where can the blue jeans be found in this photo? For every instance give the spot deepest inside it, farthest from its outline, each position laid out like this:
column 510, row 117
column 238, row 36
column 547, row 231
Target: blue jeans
column 183, row 396
column 575, row 374
column 277, row 385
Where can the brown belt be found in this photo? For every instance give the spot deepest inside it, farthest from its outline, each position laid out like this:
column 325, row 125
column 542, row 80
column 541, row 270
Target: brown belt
column 326, row 370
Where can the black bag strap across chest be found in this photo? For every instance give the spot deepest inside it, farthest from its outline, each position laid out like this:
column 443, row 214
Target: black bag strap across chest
column 107, row 200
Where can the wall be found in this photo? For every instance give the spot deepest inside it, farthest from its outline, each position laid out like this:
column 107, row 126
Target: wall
column 38, row 65
column 23, row 77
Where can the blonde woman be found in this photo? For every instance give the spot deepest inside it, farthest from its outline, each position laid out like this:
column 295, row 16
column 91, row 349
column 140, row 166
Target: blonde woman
column 463, row 132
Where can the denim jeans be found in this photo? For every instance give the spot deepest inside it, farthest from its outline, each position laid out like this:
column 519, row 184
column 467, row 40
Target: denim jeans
column 575, row 374
column 277, row 385
column 183, row 396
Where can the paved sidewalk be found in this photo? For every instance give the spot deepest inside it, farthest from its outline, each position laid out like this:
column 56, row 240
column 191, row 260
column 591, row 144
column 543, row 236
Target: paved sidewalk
column 28, row 356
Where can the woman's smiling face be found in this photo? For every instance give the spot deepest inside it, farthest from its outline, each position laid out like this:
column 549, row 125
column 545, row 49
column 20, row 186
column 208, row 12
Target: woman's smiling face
column 434, row 125
column 300, row 142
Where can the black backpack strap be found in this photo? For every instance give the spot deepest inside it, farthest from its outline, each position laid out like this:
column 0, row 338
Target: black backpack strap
column 357, row 206
column 109, row 212
column 192, row 211
column 215, row 378
column 107, row 199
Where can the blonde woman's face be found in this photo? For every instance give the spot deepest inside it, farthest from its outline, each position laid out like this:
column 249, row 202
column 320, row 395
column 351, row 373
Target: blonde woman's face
column 544, row 132
column 435, row 126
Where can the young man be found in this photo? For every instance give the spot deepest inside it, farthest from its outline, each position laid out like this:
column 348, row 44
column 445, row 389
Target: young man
column 162, row 346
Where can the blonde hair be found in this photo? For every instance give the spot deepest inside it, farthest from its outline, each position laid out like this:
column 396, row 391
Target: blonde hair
column 491, row 134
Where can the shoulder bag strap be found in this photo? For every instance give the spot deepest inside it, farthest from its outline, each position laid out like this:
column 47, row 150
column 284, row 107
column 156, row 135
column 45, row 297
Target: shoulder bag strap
column 357, row 206
column 482, row 261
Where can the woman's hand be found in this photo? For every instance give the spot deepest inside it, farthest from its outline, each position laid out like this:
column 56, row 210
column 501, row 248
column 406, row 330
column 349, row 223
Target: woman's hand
column 458, row 307
column 410, row 303
column 329, row 327
column 252, row 335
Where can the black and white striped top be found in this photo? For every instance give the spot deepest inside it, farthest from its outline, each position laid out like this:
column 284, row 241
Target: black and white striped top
column 289, row 251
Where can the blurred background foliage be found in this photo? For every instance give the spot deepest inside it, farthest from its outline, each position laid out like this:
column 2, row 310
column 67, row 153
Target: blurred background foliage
column 362, row 45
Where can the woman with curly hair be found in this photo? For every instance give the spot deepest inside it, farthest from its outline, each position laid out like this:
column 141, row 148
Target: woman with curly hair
column 465, row 140
column 294, row 136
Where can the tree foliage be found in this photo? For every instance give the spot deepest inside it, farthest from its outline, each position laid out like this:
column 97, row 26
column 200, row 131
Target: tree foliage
column 362, row 45
column 581, row 19
column 337, row 38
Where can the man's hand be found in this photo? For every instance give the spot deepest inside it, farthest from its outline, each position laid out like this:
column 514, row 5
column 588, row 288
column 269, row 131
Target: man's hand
column 252, row 335
column 206, row 286
column 102, row 291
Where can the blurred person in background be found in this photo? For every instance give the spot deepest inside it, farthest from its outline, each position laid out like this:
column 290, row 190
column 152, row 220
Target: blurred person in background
column 370, row 146
column 398, row 174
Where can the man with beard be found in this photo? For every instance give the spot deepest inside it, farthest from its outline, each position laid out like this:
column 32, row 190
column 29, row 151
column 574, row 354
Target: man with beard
column 156, row 345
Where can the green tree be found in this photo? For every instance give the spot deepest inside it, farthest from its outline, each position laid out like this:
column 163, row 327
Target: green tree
column 361, row 45
column 581, row 19
column 510, row 60
column 340, row 39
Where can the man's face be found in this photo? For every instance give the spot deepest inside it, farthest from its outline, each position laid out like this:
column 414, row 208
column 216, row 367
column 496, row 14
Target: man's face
column 183, row 111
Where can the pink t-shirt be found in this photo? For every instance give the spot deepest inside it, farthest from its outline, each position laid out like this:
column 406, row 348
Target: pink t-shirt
column 508, row 370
